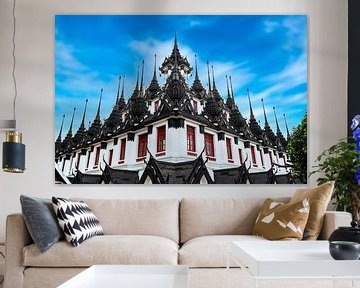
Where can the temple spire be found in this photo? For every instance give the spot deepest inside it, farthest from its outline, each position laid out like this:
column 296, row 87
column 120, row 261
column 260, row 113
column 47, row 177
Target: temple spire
column 142, row 77
column 287, row 129
column 174, row 73
column 97, row 117
column 175, row 41
column 122, row 90
column 278, row 131
column 71, row 125
column 213, row 77
column 118, row 92
column 154, row 86
column 137, row 79
column 61, row 128
column 232, row 91
column 266, row 121
column 208, row 71
column 227, row 86
column 251, row 110
column 121, row 103
column 196, row 69
column 83, row 118
column 154, row 75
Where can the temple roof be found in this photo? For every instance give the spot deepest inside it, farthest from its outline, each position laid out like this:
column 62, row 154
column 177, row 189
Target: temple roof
column 237, row 175
column 119, row 176
column 189, row 172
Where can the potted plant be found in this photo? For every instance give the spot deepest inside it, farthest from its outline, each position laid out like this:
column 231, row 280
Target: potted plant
column 341, row 163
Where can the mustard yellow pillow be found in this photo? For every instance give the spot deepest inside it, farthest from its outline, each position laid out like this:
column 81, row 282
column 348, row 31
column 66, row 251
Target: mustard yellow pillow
column 279, row 221
column 319, row 198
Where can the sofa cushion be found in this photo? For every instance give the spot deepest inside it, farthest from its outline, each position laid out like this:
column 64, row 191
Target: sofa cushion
column 77, row 220
column 319, row 198
column 107, row 249
column 200, row 217
column 211, row 251
column 137, row 217
column 279, row 221
column 41, row 221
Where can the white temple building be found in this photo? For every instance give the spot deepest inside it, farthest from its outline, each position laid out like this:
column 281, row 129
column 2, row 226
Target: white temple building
column 174, row 134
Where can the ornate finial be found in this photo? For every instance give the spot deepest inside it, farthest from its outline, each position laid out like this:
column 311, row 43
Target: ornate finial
column 276, row 120
column 99, row 106
column 213, row 77
column 83, row 118
column 232, row 91
column 227, row 86
column 266, row 121
column 154, row 75
column 137, row 79
column 207, row 63
column 122, row 90
column 251, row 110
column 61, row 128
column 142, row 77
column 72, row 121
column 175, row 40
column 287, row 129
column 118, row 92
column 196, row 68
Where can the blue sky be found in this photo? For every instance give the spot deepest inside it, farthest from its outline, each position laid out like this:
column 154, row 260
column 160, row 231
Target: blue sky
column 267, row 54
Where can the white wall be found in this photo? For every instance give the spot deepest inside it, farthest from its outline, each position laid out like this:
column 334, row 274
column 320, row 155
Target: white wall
column 35, row 75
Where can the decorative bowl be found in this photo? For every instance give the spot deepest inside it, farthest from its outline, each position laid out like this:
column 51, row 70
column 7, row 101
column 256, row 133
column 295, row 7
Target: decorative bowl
column 344, row 250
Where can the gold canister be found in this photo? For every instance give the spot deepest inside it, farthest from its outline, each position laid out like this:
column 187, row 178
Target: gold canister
column 14, row 136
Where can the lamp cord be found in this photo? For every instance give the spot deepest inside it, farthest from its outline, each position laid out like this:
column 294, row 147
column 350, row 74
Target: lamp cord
column 14, row 61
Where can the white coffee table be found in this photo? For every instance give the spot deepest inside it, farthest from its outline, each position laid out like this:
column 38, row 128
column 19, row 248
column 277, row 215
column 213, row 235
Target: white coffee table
column 131, row 276
column 293, row 260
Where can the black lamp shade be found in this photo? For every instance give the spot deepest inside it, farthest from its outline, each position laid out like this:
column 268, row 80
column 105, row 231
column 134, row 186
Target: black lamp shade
column 13, row 157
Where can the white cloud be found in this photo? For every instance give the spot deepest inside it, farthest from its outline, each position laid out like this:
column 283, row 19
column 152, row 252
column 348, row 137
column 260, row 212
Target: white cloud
column 270, row 26
column 299, row 98
column 72, row 75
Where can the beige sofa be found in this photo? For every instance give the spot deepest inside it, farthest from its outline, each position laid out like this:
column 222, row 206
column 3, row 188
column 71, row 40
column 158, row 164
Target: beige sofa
column 194, row 232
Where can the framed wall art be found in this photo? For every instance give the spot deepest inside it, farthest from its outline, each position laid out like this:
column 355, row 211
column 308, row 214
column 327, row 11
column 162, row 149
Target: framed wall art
column 180, row 99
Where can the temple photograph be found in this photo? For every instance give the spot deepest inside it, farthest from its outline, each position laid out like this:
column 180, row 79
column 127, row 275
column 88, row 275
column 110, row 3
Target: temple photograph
column 188, row 99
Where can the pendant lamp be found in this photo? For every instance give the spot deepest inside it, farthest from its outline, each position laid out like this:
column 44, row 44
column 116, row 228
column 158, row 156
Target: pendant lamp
column 13, row 158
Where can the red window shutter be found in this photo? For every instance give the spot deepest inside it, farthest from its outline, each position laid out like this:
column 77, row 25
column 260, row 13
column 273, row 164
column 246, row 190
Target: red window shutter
column 97, row 156
column 209, row 145
column 142, row 146
column 240, row 156
column 111, row 152
column 161, row 139
column 122, row 149
column 190, row 132
column 229, row 148
column 253, row 157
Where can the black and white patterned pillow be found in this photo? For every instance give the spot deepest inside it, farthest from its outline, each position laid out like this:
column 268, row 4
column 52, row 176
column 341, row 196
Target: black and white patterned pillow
column 77, row 220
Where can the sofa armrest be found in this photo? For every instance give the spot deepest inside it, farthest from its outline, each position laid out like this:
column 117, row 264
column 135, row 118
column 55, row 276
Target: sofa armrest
column 333, row 220
column 17, row 237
